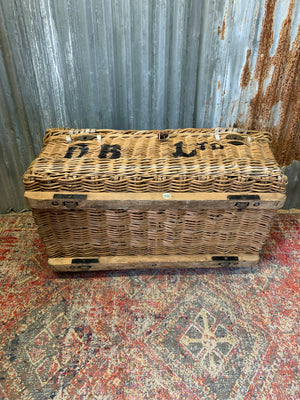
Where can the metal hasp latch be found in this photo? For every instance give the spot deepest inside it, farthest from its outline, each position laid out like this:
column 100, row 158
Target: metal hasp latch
column 242, row 204
column 225, row 261
column 70, row 200
column 83, row 264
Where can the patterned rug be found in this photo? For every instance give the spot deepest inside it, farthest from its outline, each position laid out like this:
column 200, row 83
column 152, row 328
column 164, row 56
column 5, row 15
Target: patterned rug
column 178, row 334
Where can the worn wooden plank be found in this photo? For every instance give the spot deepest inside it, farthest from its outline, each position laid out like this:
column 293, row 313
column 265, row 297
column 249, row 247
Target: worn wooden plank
column 154, row 200
column 157, row 262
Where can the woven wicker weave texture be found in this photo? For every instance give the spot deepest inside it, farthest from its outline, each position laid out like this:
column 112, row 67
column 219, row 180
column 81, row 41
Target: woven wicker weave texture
column 188, row 160
column 95, row 232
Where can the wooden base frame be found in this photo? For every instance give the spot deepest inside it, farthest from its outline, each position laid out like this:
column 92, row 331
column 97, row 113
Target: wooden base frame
column 152, row 262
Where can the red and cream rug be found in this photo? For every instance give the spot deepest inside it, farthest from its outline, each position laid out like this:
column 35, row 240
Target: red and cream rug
column 178, row 334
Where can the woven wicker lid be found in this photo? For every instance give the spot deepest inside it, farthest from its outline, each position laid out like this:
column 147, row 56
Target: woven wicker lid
column 185, row 160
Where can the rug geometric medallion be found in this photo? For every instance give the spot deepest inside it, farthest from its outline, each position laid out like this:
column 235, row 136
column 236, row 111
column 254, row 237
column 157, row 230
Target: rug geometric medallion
column 215, row 334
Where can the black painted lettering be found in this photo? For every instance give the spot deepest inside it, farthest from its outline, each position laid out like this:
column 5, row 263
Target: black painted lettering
column 114, row 150
column 202, row 145
column 181, row 153
column 78, row 146
column 216, row 146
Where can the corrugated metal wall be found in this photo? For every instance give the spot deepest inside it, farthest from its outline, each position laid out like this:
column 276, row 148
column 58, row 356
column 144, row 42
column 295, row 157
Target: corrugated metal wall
column 145, row 64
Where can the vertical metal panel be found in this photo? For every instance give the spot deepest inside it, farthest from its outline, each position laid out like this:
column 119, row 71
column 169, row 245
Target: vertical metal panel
column 151, row 64
column 293, row 188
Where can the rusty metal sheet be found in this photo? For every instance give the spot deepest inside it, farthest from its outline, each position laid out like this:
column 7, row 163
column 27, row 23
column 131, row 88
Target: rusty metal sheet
column 275, row 77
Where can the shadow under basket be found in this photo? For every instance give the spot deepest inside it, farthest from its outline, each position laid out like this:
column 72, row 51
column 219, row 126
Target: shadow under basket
column 105, row 199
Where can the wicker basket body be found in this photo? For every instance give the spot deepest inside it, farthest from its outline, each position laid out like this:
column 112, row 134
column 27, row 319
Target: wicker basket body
column 151, row 194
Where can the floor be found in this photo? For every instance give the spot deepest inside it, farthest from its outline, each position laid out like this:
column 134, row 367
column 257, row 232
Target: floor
column 173, row 334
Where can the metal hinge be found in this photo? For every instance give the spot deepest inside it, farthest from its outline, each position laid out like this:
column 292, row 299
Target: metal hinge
column 225, row 261
column 70, row 200
column 83, row 264
column 243, row 203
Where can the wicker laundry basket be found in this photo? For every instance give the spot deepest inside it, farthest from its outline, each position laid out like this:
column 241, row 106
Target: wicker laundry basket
column 107, row 199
